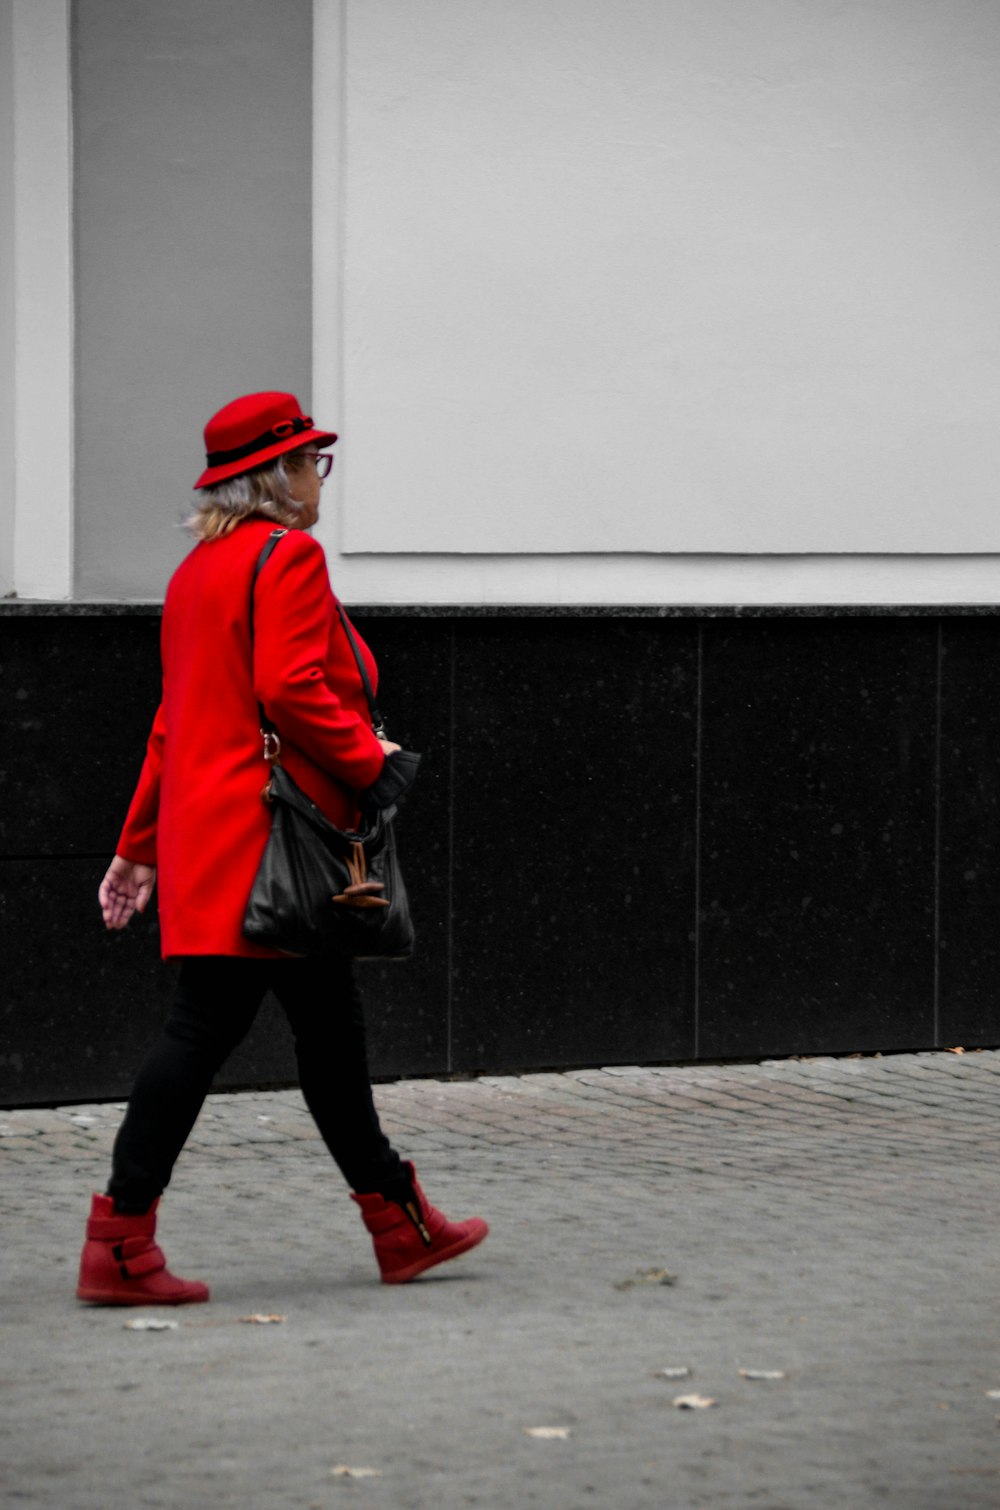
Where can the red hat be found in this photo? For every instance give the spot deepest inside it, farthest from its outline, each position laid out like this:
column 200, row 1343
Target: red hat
column 253, row 430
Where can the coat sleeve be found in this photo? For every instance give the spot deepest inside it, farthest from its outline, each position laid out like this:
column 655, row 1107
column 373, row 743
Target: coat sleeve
column 292, row 620
column 138, row 838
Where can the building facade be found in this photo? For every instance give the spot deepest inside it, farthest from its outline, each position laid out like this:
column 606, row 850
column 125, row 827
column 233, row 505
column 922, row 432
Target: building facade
column 662, row 344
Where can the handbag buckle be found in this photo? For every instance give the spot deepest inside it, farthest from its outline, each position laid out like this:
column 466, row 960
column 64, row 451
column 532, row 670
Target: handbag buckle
column 272, row 745
column 361, row 892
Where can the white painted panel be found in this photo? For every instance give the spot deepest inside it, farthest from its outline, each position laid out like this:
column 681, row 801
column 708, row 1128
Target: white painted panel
column 693, row 275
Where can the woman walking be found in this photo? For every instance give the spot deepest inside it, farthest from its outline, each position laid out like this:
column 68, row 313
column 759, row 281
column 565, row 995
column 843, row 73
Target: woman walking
column 197, row 828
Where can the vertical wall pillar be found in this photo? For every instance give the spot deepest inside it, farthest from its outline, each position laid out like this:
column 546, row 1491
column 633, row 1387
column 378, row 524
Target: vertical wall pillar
column 43, row 414
column 6, row 297
column 328, row 168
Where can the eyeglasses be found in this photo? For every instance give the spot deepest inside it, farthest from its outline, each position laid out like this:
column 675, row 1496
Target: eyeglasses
column 321, row 460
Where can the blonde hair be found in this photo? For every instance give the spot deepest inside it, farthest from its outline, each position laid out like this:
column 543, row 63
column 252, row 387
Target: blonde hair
column 264, row 493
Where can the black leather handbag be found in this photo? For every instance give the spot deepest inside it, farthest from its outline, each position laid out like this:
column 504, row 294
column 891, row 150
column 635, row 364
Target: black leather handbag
column 320, row 889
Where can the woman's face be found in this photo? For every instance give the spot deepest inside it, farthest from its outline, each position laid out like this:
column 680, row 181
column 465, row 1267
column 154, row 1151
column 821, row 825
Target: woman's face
column 304, row 482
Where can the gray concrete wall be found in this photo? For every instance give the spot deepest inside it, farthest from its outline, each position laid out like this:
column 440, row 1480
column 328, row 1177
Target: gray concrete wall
column 193, row 150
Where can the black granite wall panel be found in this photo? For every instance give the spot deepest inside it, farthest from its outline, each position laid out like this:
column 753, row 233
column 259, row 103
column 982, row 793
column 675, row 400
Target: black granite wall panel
column 78, row 696
column 825, row 786
column 970, row 834
column 407, row 1004
column 78, row 1005
column 817, row 836
column 574, row 822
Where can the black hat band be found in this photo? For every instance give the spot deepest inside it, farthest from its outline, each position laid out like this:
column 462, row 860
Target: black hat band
column 279, row 432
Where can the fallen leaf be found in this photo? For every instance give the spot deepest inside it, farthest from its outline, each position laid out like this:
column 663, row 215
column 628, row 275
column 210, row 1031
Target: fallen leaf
column 993, row 1394
column 647, row 1277
column 261, row 1320
column 672, row 1373
column 343, row 1471
column 150, row 1324
column 548, row 1433
column 761, row 1373
column 956, row 1051
column 694, row 1402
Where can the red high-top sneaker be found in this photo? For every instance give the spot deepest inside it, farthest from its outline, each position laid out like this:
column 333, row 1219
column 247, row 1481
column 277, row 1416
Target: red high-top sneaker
column 121, row 1264
column 413, row 1237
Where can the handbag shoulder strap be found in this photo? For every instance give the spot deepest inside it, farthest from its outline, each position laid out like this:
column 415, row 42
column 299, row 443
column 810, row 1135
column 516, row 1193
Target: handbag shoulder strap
column 267, row 727
column 378, row 722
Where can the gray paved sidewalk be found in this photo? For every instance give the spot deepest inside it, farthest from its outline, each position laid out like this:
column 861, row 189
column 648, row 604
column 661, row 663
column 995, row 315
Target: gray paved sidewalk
column 832, row 1220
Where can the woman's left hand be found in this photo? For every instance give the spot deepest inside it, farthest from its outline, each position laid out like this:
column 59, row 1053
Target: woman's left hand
column 126, row 888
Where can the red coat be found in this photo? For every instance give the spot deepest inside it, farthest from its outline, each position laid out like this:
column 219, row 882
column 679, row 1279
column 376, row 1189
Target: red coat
column 197, row 813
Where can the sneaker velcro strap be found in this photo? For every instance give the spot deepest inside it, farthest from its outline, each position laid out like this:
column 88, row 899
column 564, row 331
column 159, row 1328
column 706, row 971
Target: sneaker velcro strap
column 147, row 1261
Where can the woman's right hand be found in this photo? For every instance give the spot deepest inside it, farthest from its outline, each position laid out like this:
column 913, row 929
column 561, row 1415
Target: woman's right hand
column 126, row 888
column 388, row 748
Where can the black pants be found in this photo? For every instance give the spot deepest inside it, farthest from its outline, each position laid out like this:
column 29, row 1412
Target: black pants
column 216, row 1001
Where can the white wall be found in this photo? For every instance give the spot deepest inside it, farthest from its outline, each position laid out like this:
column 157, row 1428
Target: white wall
column 612, row 301
column 658, row 293
column 7, row 471
column 37, row 291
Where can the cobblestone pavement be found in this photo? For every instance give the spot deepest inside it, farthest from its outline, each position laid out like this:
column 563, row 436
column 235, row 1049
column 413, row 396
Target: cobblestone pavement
column 834, row 1221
